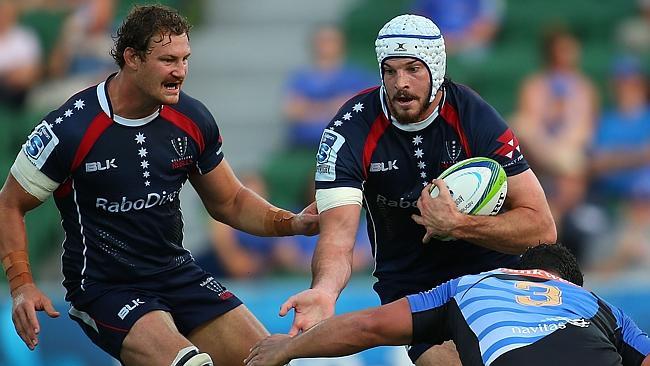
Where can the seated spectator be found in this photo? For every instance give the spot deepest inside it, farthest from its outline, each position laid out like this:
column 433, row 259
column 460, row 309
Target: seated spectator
column 316, row 92
column 621, row 165
column 467, row 25
column 85, row 37
column 555, row 121
column 296, row 252
column 20, row 57
column 236, row 254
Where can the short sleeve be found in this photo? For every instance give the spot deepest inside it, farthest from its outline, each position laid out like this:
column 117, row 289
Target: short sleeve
column 212, row 154
column 491, row 135
column 430, row 311
column 632, row 343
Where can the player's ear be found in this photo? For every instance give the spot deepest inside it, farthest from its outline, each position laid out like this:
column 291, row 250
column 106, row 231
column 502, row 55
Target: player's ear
column 131, row 59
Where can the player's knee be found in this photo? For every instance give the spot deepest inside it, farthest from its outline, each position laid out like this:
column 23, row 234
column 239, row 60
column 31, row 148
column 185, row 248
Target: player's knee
column 190, row 356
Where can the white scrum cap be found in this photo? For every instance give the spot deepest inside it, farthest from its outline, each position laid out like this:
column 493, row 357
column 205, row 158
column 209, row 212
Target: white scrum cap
column 414, row 36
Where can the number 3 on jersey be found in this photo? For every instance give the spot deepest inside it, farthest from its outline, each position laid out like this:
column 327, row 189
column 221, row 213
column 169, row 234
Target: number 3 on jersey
column 541, row 294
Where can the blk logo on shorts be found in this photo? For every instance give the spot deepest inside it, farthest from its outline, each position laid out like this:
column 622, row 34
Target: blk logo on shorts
column 126, row 309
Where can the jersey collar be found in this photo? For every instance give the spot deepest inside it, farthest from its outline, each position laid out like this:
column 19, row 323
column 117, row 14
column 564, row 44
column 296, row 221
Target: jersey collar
column 105, row 103
column 410, row 127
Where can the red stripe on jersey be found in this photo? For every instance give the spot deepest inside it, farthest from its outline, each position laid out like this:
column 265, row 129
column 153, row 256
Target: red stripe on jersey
column 450, row 115
column 185, row 123
column 94, row 131
column 365, row 91
column 121, row 330
column 64, row 189
column 377, row 129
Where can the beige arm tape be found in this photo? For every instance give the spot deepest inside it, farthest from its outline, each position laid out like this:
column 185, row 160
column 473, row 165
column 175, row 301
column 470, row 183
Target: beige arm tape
column 16, row 266
column 277, row 222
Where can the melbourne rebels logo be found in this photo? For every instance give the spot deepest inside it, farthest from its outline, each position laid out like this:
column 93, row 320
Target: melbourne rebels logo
column 453, row 150
column 180, row 145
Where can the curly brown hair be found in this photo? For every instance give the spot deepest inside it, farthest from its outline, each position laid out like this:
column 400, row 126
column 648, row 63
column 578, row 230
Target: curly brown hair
column 141, row 25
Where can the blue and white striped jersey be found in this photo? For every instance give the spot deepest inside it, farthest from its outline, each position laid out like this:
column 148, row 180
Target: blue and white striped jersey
column 526, row 317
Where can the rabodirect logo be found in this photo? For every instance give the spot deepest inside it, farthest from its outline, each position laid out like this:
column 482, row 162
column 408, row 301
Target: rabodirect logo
column 126, row 205
column 402, row 203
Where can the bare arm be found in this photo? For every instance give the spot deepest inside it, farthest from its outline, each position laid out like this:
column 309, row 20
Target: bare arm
column 228, row 201
column 342, row 335
column 27, row 299
column 331, row 268
column 298, row 108
column 527, row 222
column 236, row 259
column 332, row 261
column 14, row 204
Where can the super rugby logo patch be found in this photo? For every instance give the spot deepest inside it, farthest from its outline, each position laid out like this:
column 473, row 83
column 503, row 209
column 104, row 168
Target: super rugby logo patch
column 40, row 144
column 328, row 149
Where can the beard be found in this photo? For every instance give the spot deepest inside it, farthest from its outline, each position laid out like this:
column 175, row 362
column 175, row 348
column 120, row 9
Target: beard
column 412, row 115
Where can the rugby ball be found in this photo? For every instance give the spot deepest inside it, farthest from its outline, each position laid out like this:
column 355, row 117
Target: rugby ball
column 477, row 185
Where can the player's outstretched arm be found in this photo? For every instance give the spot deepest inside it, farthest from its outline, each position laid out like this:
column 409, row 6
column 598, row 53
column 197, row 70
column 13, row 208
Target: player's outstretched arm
column 528, row 220
column 331, row 268
column 342, row 335
column 228, row 201
column 27, row 298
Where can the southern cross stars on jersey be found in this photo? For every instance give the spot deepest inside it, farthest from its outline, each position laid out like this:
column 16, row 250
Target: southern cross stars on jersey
column 391, row 163
column 526, row 317
column 119, row 181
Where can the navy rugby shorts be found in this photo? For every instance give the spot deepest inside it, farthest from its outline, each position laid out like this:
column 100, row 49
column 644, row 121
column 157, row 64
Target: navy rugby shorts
column 106, row 312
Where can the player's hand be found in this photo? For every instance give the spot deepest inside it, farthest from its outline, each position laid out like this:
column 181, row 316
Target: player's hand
column 28, row 299
column 438, row 215
column 269, row 351
column 310, row 307
column 306, row 222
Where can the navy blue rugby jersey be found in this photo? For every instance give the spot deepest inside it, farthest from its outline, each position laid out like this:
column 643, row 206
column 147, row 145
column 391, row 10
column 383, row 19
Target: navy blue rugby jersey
column 119, row 183
column 526, row 317
column 391, row 164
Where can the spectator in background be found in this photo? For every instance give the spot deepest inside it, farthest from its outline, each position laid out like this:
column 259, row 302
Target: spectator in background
column 316, row 92
column 468, row 25
column 85, row 37
column 20, row 57
column 634, row 33
column 296, row 252
column 235, row 253
column 555, row 121
column 621, row 164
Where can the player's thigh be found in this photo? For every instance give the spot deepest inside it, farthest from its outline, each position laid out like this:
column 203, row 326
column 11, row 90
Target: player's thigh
column 442, row 355
column 153, row 340
column 228, row 338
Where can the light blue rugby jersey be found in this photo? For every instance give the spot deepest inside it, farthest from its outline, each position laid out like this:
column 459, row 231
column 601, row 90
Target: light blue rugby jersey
column 498, row 312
